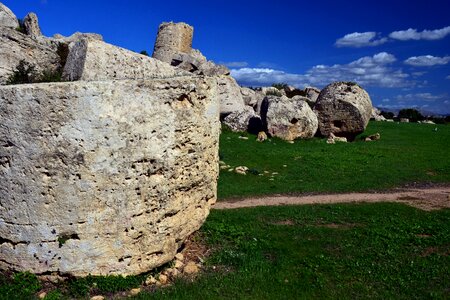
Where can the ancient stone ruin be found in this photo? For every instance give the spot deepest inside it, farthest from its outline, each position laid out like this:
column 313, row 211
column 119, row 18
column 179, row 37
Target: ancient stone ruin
column 344, row 109
column 108, row 173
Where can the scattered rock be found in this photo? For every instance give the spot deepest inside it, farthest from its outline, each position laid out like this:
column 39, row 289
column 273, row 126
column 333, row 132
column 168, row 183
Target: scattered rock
column 344, row 109
column 31, row 25
column 191, row 268
column 42, row 295
column 178, row 264
column 262, row 136
column 289, row 119
column 404, row 120
column 332, row 139
column 243, row 137
column 241, row 170
column 180, row 256
column 376, row 115
column 163, row 279
column 7, row 18
column 135, row 291
column 373, row 137
column 99, row 297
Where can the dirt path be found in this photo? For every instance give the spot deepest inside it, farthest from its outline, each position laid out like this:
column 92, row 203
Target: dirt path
column 423, row 198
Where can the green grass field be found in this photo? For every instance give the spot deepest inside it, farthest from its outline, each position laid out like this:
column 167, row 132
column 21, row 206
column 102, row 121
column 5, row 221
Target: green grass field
column 341, row 251
column 407, row 153
column 345, row 251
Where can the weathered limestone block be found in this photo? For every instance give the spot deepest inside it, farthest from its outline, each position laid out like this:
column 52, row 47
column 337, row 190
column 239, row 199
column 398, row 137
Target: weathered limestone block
column 105, row 177
column 76, row 37
column 251, row 97
column 15, row 46
column 344, row 109
column 230, row 95
column 173, row 38
column 289, row 119
column 31, row 25
column 91, row 60
column 312, row 94
column 244, row 120
column 7, row 18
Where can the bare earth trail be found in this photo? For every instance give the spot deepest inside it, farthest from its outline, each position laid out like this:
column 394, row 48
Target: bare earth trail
column 423, row 198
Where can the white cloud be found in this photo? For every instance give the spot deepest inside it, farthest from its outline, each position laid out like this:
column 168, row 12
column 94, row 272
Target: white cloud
column 367, row 71
column 235, row 64
column 448, row 77
column 427, row 61
column 413, row 34
column 386, row 100
column 360, row 39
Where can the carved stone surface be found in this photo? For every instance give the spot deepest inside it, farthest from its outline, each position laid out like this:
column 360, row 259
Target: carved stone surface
column 173, row 38
column 105, row 177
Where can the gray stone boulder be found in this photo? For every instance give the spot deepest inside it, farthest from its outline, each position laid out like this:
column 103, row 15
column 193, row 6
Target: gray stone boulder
column 251, row 97
column 289, row 119
column 105, row 177
column 344, row 109
column 7, row 18
column 16, row 46
column 244, row 120
column 31, row 25
column 91, row 60
column 312, row 94
column 230, row 96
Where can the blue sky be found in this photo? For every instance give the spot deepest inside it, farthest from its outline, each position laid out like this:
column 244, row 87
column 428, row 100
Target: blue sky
column 397, row 50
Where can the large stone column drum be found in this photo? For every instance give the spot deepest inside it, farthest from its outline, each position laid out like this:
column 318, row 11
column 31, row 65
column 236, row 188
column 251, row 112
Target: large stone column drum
column 105, row 177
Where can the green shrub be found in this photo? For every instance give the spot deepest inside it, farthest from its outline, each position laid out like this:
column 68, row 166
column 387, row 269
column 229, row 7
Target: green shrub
column 412, row 114
column 144, row 52
column 24, row 73
column 280, row 86
column 273, row 93
column 21, row 27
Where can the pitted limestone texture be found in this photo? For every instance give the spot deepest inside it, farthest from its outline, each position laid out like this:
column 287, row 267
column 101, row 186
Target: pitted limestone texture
column 105, row 177
column 92, row 59
column 173, row 38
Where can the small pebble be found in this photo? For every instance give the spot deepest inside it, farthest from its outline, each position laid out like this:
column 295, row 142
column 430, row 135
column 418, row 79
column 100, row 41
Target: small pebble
column 98, row 297
column 179, row 256
column 42, row 295
column 136, row 291
column 163, row 279
column 190, row 268
column 178, row 264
